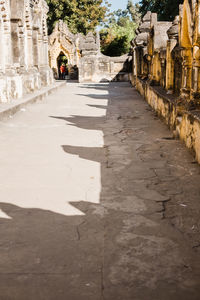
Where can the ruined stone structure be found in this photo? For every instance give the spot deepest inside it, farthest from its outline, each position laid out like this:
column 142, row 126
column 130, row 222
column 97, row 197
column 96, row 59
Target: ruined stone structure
column 150, row 50
column 63, row 42
column 96, row 67
column 166, row 70
column 24, row 48
column 84, row 53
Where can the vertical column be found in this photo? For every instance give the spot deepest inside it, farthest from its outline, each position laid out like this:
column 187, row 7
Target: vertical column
column 195, row 89
column 2, row 52
column 196, row 72
column 40, row 50
column 140, row 61
column 163, row 73
column 30, row 48
column 23, row 48
column 195, row 93
column 8, row 55
column 15, row 42
column 45, row 47
column 170, row 65
column 173, row 41
column 43, row 41
column 134, row 63
column 154, row 67
column 187, row 73
column 35, row 48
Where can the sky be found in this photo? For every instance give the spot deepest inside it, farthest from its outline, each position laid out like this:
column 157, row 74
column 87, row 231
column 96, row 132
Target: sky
column 116, row 4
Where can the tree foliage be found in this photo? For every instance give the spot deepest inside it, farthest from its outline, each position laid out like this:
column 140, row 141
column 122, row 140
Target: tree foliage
column 81, row 16
column 119, row 30
column 166, row 9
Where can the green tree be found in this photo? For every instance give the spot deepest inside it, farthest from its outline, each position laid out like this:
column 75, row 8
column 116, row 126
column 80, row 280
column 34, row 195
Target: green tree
column 119, row 30
column 81, row 16
column 166, row 9
column 134, row 11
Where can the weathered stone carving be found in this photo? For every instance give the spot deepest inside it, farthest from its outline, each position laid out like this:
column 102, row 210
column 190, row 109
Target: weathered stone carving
column 24, row 48
column 168, row 54
column 63, row 41
column 172, row 46
column 150, row 49
column 141, row 58
column 167, row 70
column 89, row 45
column 96, row 67
column 84, row 56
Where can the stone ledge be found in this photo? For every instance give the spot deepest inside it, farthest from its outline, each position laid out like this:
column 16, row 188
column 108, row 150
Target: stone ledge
column 185, row 124
column 9, row 109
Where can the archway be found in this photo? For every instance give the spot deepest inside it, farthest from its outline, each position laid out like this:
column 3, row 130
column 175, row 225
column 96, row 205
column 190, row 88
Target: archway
column 62, row 59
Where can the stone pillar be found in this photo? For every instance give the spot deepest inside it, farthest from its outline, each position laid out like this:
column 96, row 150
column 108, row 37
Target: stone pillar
column 30, row 48
column 8, row 58
column 23, row 47
column 140, row 46
column 40, row 50
column 173, row 35
column 2, row 49
column 195, row 90
column 35, row 48
column 187, row 73
column 15, row 43
column 196, row 72
column 170, row 65
column 45, row 47
column 163, row 68
column 156, row 68
column 134, row 63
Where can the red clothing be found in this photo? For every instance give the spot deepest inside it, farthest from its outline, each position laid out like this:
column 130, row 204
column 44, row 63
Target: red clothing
column 62, row 69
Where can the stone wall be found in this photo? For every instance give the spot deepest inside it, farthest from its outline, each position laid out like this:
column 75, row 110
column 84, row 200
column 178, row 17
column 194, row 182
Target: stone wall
column 166, row 70
column 96, row 67
column 83, row 53
column 24, row 48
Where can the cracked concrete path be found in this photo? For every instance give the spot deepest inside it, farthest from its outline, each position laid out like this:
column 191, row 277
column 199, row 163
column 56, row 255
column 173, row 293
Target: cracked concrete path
column 98, row 201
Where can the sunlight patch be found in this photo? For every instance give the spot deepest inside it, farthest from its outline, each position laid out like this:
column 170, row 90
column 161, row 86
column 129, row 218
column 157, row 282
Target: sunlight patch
column 3, row 215
column 55, row 161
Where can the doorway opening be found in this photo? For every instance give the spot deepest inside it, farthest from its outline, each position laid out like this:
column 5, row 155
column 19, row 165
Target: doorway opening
column 62, row 61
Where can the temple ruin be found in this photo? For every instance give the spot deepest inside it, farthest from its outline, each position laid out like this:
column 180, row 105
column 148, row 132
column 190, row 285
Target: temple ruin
column 83, row 52
column 24, row 65
column 96, row 67
column 63, row 43
column 166, row 70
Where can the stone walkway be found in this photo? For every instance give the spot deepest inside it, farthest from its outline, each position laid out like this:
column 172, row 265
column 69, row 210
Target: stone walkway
column 98, row 201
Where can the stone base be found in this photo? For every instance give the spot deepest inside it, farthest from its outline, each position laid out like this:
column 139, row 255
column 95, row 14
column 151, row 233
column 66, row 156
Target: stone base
column 101, row 68
column 17, row 85
column 46, row 75
column 31, row 81
column 97, row 78
column 11, row 87
column 185, row 124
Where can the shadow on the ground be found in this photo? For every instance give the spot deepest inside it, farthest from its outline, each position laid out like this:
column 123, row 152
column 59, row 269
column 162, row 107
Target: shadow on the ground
column 45, row 255
column 116, row 250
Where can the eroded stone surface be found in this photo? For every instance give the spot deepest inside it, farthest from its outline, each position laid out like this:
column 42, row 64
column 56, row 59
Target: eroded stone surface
column 24, row 65
column 166, row 59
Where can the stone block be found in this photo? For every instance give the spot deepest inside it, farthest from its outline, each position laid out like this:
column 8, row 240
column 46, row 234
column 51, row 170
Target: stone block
column 23, row 32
